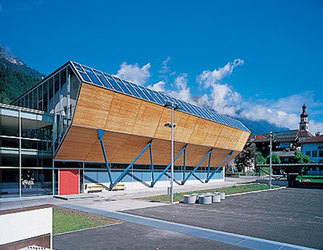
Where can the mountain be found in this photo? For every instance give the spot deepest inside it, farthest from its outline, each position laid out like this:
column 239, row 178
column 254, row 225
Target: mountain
column 15, row 77
column 260, row 127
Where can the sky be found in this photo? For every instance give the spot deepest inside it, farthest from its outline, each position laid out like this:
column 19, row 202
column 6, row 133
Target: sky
column 260, row 60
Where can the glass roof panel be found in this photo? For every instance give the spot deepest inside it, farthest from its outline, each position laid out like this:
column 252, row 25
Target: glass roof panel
column 130, row 87
column 146, row 93
column 103, row 80
column 85, row 77
column 92, row 75
column 98, row 77
column 160, row 97
column 152, row 94
column 125, row 89
column 113, row 82
column 139, row 91
column 78, row 67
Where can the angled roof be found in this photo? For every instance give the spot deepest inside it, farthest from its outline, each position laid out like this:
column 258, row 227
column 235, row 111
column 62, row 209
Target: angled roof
column 304, row 134
column 314, row 139
column 107, row 81
column 279, row 136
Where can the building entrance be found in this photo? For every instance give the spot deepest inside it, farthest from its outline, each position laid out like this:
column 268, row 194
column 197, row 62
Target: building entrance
column 69, row 181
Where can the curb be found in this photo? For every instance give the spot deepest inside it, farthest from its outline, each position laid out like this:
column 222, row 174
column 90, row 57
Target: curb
column 257, row 191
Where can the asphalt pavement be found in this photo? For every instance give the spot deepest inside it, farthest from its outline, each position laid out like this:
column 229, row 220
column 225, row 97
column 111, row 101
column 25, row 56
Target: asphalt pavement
column 288, row 215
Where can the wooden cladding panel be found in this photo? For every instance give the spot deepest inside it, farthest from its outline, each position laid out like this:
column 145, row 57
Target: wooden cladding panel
column 108, row 110
column 93, row 107
column 82, row 144
column 123, row 113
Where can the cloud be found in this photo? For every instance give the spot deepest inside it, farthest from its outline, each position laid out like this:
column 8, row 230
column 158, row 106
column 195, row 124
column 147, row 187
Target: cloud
column 283, row 112
column 220, row 96
column 134, row 73
column 165, row 69
column 159, row 86
column 181, row 90
column 207, row 78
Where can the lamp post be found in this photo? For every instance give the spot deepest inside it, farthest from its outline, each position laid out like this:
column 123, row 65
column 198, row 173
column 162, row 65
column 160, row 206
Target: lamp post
column 270, row 157
column 172, row 125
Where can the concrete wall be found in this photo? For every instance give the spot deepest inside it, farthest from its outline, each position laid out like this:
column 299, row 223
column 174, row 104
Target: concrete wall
column 19, row 225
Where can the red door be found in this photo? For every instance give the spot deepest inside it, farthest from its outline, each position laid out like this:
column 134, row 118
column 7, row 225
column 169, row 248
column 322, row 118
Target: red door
column 69, row 181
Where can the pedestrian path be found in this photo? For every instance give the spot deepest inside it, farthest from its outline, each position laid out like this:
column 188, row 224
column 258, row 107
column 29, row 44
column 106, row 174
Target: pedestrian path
column 228, row 238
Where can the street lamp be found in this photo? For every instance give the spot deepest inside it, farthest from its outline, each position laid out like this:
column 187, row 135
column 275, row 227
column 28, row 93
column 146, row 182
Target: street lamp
column 270, row 157
column 173, row 106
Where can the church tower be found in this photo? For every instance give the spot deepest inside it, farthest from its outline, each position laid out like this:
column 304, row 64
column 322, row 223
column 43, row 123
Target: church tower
column 303, row 125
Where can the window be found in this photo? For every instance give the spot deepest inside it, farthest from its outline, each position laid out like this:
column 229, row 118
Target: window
column 92, row 76
column 320, row 153
column 103, row 80
column 113, row 82
column 147, row 94
column 85, row 77
column 308, row 153
column 125, row 90
column 133, row 91
column 139, row 91
column 314, row 153
column 78, row 67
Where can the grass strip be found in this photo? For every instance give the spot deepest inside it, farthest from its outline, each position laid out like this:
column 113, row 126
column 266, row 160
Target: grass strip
column 66, row 220
column 226, row 190
column 310, row 178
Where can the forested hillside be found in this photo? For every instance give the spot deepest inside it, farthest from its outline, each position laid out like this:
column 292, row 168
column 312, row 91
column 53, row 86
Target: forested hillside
column 15, row 77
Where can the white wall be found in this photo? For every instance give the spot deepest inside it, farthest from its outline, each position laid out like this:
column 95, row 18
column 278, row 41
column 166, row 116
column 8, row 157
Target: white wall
column 23, row 225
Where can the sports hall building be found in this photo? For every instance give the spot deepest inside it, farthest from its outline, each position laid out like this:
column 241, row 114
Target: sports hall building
column 80, row 125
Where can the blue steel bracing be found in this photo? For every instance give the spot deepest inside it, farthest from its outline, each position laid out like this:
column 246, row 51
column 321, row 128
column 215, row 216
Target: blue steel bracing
column 208, row 166
column 151, row 162
column 209, row 177
column 127, row 169
column 165, row 170
column 100, row 134
column 208, row 153
column 184, row 165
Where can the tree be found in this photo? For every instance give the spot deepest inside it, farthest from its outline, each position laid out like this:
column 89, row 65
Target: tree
column 301, row 158
column 260, row 159
column 244, row 159
column 275, row 159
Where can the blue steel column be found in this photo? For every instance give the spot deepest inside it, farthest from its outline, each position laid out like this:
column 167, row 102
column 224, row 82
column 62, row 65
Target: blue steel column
column 208, row 166
column 168, row 166
column 184, row 164
column 208, row 153
column 100, row 134
column 209, row 178
column 151, row 162
column 127, row 169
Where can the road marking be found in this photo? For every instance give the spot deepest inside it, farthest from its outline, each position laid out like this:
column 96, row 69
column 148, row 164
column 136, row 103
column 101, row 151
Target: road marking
column 228, row 238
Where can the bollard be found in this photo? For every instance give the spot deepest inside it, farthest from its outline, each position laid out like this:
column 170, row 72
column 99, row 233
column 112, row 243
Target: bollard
column 207, row 199
column 200, row 198
column 196, row 198
column 222, row 195
column 216, row 197
column 186, row 198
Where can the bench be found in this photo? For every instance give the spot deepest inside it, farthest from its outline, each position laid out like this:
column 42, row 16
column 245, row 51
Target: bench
column 119, row 186
column 93, row 187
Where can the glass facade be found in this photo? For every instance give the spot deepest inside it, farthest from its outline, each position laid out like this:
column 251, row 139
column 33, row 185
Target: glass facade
column 26, row 152
column 30, row 133
column 56, row 95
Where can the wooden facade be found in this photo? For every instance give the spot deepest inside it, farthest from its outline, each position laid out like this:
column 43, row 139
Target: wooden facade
column 131, row 123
